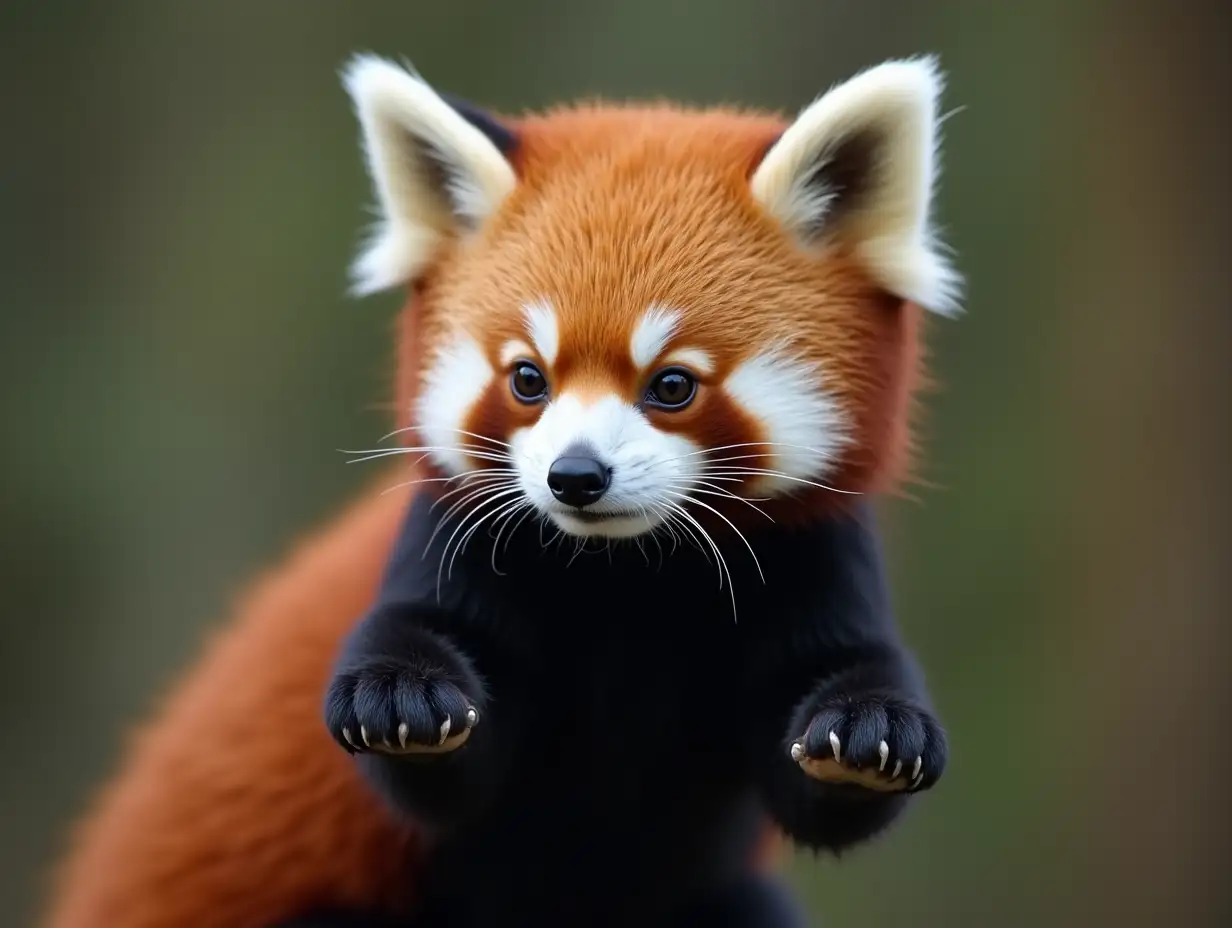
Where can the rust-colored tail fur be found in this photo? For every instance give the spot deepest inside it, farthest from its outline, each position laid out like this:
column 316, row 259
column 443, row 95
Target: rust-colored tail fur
column 235, row 808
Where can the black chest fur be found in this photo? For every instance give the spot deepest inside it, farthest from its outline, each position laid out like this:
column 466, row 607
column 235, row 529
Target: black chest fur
column 628, row 714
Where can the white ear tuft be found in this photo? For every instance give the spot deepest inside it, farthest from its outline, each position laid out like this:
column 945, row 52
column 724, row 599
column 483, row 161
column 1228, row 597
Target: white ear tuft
column 434, row 172
column 858, row 166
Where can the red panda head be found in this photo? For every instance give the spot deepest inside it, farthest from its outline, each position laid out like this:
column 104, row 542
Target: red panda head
column 625, row 316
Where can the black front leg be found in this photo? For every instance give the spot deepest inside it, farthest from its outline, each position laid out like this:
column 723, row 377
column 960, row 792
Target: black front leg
column 853, row 750
column 844, row 732
column 414, row 710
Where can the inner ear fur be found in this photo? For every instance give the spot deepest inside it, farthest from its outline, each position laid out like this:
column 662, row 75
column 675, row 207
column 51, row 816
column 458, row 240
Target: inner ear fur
column 858, row 167
column 439, row 166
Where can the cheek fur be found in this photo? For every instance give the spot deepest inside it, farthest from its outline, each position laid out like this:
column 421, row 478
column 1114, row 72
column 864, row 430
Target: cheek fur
column 804, row 428
column 457, row 377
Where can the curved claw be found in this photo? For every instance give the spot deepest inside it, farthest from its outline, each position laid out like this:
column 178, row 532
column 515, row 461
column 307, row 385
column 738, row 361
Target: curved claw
column 449, row 738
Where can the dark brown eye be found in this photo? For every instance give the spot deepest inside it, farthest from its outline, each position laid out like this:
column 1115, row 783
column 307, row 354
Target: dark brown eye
column 671, row 389
column 528, row 383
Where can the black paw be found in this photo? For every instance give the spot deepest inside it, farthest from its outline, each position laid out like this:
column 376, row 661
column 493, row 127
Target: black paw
column 399, row 707
column 878, row 743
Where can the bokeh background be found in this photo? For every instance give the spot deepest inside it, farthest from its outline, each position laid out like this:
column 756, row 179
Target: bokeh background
column 181, row 191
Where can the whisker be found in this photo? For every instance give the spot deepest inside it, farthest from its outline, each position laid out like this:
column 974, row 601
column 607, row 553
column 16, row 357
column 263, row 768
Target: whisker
column 515, row 507
column 722, row 494
column 412, row 428
column 411, row 483
column 638, row 541
column 745, row 499
column 654, row 536
column 502, row 444
column 494, row 496
column 667, row 525
column 484, row 454
column 723, row 568
column 736, row 457
column 729, row 479
column 464, row 476
column 683, row 514
column 490, row 487
column 530, row 510
column 707, row 506
column 692, row 536
column 753, row 444
column 409, row 449
column 758, row 472
column 578, row 544
column 466, row 537
column 477, row 480
column 664, row 524
column 476, row 472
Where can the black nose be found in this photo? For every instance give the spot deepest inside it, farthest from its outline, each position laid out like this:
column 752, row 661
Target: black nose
column 578, row 478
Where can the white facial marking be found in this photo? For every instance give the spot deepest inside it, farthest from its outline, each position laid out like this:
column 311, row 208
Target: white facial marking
column 651, row 335
column 513, row 350
column 456, row 379
column 693, row 358
column 804, row 425
column 543, row 330
column 647, row 466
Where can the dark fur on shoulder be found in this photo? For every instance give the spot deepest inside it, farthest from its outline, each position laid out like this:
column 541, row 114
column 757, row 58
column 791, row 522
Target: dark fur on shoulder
column 629, row 734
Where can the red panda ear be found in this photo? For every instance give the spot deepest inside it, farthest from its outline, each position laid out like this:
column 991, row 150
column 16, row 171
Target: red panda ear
column 858, row 166
column 438, row 170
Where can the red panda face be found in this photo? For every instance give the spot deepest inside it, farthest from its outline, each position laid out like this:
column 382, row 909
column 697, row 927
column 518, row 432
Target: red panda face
column 627, row 318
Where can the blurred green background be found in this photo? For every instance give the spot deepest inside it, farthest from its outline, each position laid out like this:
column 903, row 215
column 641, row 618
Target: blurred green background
column 182, row 191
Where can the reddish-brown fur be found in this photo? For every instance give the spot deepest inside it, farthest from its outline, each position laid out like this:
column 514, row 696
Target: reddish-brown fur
column 621, row 208
column 235, row 808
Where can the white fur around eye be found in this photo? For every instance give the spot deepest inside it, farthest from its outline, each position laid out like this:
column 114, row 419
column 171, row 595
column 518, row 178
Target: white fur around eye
column 806, row 425
column 693, row 358
column 543, row 330
column 512, row 350
column 651, row 335
column 456, row 379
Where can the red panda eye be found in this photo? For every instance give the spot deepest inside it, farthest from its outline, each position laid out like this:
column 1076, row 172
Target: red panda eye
column 671, row 389
column 528, row 383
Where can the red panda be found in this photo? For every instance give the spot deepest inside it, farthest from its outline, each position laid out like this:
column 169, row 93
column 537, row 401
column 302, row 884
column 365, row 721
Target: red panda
column 689, row 336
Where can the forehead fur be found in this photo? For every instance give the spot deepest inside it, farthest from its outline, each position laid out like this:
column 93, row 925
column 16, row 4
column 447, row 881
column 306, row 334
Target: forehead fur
column 622, row 208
